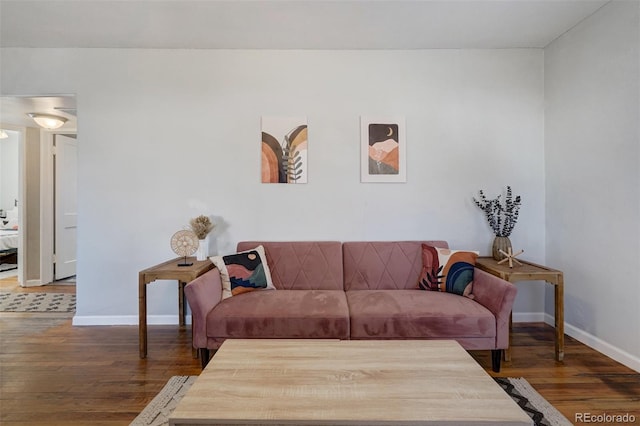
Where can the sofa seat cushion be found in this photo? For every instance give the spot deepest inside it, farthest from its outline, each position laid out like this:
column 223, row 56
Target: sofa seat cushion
column 407, row 314
column 314, row 314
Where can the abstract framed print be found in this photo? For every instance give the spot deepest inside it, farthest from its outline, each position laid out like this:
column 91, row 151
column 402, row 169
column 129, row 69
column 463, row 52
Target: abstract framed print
column 383, row 149
column 284, row 149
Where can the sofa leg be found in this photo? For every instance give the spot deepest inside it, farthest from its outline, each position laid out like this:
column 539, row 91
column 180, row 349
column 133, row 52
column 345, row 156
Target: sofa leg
column 496, row 357
column 204, row 357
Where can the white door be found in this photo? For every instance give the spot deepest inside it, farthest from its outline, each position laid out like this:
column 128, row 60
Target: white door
column 66, row 217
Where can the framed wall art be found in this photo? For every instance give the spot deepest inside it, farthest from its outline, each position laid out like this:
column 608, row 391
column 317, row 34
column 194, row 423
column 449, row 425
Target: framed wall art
column 284, row 149
column 383, row 149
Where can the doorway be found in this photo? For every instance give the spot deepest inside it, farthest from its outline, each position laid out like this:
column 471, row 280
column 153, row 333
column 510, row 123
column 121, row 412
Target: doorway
column 37, row 215
column 9, row 190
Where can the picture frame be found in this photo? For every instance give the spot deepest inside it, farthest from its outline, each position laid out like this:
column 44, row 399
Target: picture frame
column 383, row 149
column 284, row 149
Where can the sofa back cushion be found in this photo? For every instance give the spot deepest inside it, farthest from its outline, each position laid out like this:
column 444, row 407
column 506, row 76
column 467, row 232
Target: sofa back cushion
column 383, row 265
column 302, row 265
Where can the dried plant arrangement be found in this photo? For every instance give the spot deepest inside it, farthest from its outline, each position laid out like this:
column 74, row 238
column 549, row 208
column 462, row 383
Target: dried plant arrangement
column 201, row 226
column 502, row 217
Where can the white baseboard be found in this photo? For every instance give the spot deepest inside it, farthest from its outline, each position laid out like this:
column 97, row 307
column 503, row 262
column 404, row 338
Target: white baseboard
column 83, row 320
column 613, row 352
column 582, row 336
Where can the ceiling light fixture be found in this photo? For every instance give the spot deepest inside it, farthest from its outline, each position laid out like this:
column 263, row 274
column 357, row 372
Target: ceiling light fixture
column 50, row 122
column 3, row 134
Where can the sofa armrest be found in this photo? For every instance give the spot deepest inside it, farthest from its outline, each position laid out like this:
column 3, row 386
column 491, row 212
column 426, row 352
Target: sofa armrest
column 498, row 296
column 203, row 294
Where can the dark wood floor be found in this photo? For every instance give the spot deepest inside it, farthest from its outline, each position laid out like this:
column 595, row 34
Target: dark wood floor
column 55, row 374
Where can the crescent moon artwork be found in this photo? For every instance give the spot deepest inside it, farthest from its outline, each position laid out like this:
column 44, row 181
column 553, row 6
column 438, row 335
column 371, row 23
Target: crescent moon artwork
column 383, row 149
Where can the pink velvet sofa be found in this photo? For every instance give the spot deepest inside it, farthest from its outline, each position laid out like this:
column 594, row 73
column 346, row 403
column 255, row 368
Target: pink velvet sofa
column 350, row 290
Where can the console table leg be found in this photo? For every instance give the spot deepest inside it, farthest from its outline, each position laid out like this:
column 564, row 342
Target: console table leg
column 559, row 317
column 142, row 316
column 507, row 352
column 181, row 320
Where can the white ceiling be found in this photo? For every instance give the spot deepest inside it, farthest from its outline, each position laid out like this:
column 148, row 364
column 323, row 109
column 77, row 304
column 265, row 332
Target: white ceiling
column 275, row 24
column 289, row 24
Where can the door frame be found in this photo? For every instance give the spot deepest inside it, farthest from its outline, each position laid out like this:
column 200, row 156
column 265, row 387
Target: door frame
column 47, row 205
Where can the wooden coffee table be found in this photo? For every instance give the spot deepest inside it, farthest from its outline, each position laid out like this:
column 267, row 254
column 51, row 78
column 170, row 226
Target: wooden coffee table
column 349, row 382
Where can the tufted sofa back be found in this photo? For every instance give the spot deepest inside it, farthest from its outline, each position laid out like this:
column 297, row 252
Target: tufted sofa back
column 302, row 265
column 383, row 265
column 354, row 265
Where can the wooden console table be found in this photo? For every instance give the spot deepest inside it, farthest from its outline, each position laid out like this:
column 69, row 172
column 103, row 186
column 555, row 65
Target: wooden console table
column 167, row 271
column 531, row 272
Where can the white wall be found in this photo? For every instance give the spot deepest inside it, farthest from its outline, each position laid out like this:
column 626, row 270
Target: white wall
column 592, row 156
column 9, row 171
column 168, row 135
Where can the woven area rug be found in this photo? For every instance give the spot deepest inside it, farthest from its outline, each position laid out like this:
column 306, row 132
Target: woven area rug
column 37, row 302
column 534, row 404
column 158, row 410
column 156, row 413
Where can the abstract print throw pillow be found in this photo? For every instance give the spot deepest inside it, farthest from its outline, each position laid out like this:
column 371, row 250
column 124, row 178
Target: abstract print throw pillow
column 243, row 272
column 447, row 270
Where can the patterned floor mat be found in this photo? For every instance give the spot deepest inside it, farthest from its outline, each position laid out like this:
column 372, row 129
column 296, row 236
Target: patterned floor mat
column 37, row 302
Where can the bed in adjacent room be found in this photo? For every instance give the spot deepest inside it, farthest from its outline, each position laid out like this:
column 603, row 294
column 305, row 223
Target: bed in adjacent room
column 8, row 239
column 8, row 249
